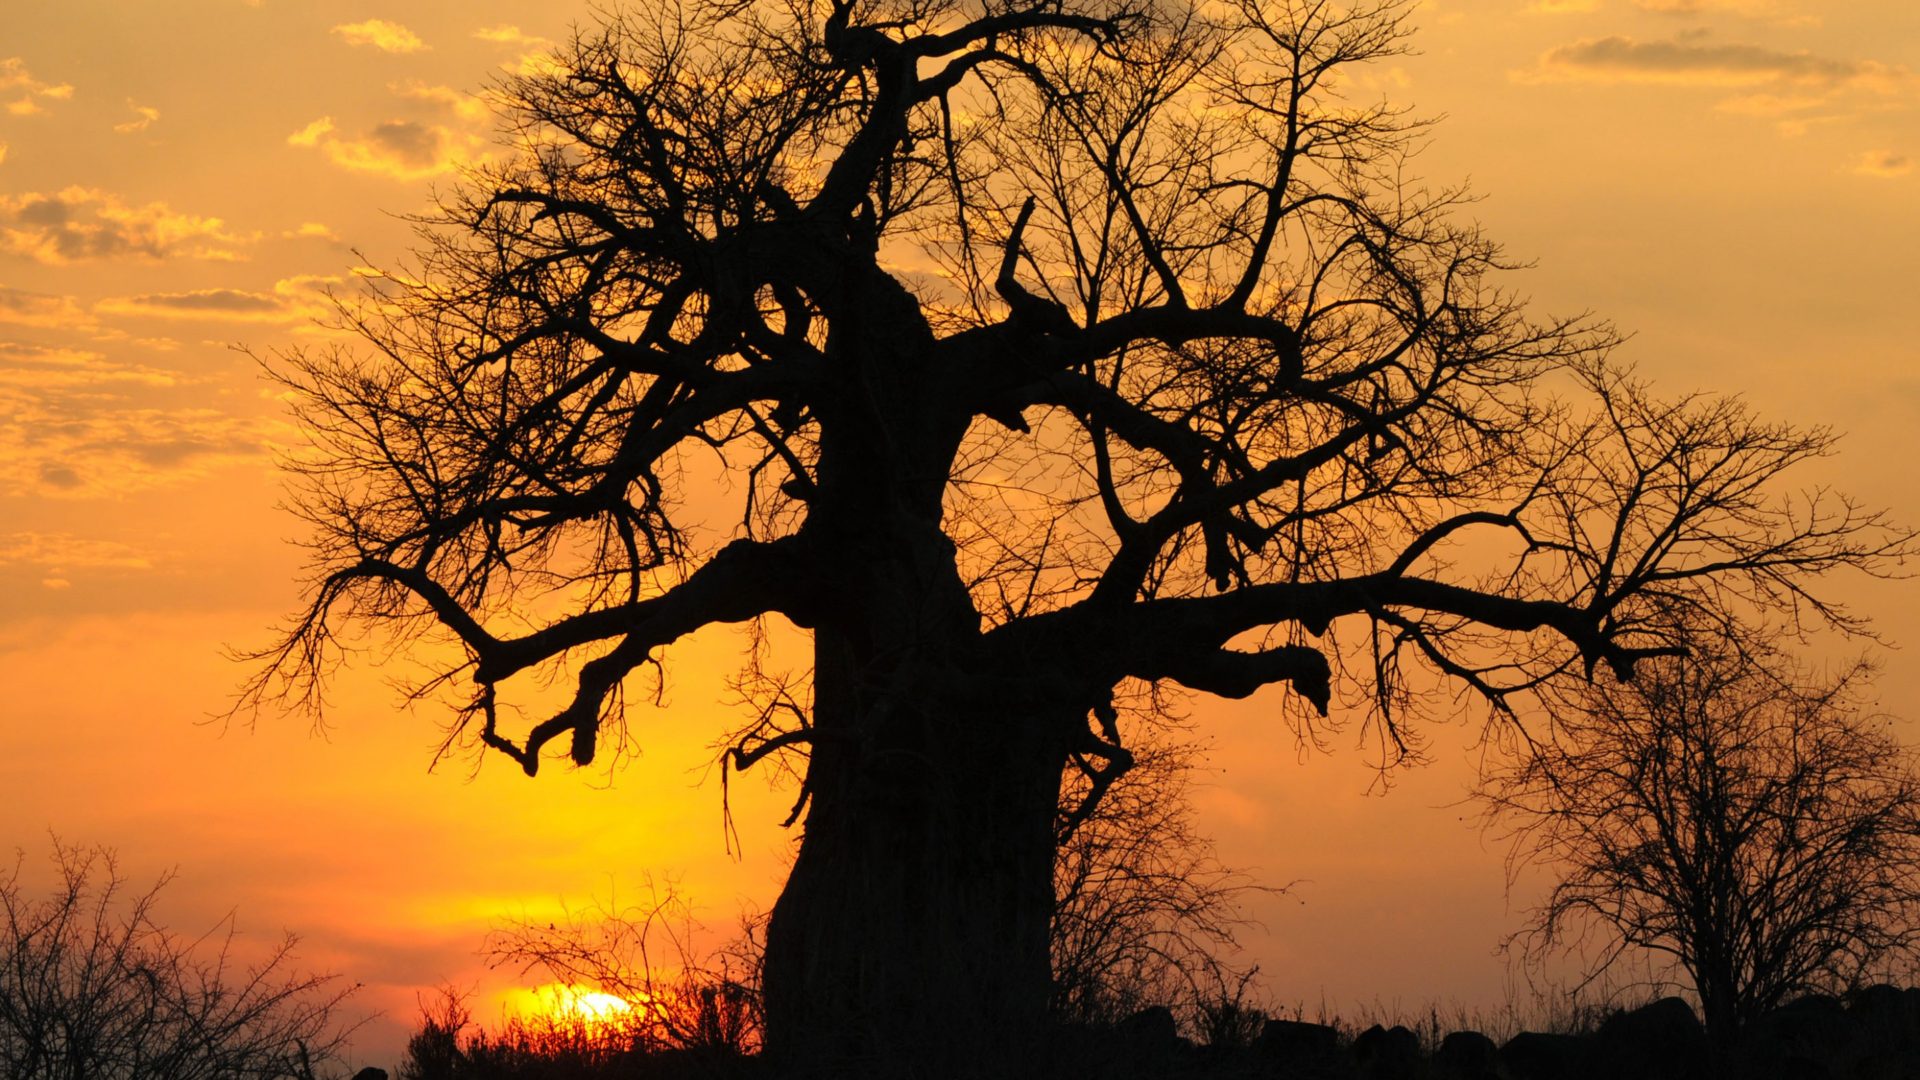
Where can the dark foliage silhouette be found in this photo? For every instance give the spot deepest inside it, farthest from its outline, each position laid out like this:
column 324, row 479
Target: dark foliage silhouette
column 1144, row 913
column 450, row 1045
column 1017, row 353
column 91, row 986
column 645, row 953
column 1732, row 812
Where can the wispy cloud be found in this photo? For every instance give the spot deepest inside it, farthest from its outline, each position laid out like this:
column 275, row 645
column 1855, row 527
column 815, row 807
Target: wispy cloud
column 1704, row 64
column 47, row 366
column 535, row 52
column 106, row 438
column 33, row 94
column 19, row 307
column 143, row 118
column 293, row 300
column 1755, row 9
column 407, row 150
column 381, row 34
column 1561, row 7
column 445, row 99
column 57, row 552
column 506, row 34
column 222, row 305
column 1883, row 164
column 439, row 132
column 80, row 223
column 312, row 230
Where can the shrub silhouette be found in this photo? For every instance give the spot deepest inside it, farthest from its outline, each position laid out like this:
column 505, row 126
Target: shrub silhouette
column 92, row 986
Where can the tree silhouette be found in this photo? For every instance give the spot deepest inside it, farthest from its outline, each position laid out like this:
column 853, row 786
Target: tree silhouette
column 1014, row 351
column 1750, row 822
column 92, row 986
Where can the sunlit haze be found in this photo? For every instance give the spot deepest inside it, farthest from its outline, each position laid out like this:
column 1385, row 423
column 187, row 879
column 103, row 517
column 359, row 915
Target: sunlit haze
column 1736, row 183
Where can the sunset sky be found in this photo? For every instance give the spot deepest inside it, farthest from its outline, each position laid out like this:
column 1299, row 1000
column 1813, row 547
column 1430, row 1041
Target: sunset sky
column 1735, row 182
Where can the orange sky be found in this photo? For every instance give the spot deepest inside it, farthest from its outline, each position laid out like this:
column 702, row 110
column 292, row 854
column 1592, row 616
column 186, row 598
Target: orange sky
column 1733, row 180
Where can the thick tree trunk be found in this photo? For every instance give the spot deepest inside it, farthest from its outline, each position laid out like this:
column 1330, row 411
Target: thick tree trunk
column 912, row 936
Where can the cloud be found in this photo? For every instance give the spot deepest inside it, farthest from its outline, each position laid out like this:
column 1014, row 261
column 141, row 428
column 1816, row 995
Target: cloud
column 224, row 305
column 106, row 438
column 1884, row 164
column 293, row 300
column 536, row 53
column 1750, row 8
column 3, row 153
column 57, row 552
column 1686, row 63
column 1561, row 7
column 381, row 34
column 49, row 366
column 86, row 421
column 144, row 116
column 505, row 34
column 407, row 150
column 438, row 133
column 18, row 307
column 464, row 106
column 310, row 136
column 15, row 78
column 312, row 230
column 80, row 223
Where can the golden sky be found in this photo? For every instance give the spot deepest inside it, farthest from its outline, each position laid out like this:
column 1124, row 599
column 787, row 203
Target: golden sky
column 1737, row 182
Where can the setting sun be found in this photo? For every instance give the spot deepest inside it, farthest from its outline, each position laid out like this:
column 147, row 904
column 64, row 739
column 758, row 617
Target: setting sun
column 567, row 1004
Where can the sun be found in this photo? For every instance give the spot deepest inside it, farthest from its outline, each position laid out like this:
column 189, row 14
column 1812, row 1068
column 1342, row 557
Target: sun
column 572, row 1003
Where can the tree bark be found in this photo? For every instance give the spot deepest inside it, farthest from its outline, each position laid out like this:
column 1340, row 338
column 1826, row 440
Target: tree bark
column 912, row 935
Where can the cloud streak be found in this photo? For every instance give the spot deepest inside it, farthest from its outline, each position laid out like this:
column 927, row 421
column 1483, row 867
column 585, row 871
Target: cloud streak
column 20, row 307
column 57, row 553
column 1725, row 66
column 438, row 133
column 143, row 118
column 380, row 34
column 293, row 300
column 1753, row 9
column 79, row 223
column 1883, row 165
column 56, row 366
column 104, row 438
column 33, row 93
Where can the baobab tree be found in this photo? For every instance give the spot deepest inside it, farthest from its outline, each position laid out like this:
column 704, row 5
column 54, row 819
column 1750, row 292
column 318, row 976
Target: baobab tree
column 1017, row 353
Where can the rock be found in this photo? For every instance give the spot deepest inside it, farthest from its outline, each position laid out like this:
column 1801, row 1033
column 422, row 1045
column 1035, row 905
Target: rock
column 1153, row 1024
column 1816, row 1028
column 1292, row 1048
column 1539, row 1055
column 1661, row 1040
column 1387, row 1053
column 1467, row 1055
column 1295, row 1038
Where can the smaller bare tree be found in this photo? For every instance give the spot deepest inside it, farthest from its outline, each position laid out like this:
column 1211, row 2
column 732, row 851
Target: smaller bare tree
column 92, row 986
column 1144, row 911
column 1731, row 811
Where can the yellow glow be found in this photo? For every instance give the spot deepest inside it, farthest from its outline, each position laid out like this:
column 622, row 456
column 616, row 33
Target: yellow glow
column 567, row 1004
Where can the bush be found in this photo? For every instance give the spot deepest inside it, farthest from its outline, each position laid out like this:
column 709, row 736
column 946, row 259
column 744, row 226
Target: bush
column 92, row 986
